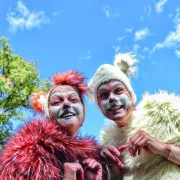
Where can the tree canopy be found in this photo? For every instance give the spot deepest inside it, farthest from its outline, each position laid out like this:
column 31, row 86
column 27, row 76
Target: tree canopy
column 18, row 79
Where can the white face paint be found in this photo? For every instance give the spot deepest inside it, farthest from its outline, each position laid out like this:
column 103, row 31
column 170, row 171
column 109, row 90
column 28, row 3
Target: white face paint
column 65, row 106
column 114, row 100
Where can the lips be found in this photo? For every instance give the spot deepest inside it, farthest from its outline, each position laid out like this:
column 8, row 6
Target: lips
column 116, row 107
column 67, row 114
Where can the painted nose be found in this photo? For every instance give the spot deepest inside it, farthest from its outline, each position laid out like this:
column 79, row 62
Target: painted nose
column 112, row 99
column 66, row 105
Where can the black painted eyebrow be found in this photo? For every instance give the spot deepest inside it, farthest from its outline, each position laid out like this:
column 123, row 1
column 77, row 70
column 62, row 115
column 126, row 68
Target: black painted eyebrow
column 102, row 87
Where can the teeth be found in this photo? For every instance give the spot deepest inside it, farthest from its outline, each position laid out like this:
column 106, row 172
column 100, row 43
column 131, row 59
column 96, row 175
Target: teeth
column 115, row 108
column 67, row 114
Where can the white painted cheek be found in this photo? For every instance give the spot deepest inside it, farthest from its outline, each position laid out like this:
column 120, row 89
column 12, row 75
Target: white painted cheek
column 78, row 108
column 103, row 105
column 54, row 111
column 125, row 100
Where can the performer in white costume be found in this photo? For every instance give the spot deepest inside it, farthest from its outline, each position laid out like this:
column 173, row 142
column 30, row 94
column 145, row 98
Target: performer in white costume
column 150, row 131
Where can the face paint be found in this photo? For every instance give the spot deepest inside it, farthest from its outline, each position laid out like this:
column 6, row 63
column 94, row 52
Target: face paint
column 65, row 106
column 122, row 100
column 114, row 101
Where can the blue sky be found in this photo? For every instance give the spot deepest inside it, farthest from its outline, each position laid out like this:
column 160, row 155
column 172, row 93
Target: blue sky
column 84, row 34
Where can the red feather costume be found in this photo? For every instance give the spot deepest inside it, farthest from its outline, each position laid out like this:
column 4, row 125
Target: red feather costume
column 39, row 150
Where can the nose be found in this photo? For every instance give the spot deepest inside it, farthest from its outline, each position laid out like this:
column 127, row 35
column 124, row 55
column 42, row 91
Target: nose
column 112, row 99
column 66, row 105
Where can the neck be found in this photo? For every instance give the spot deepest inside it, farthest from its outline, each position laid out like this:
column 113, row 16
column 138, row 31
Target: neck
column 124, row 122
column 72, row 133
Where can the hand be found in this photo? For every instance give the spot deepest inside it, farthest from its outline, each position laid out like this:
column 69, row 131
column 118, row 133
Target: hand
column 92, row 169
column 73, row 171
column 142, row 140
column 111, row 154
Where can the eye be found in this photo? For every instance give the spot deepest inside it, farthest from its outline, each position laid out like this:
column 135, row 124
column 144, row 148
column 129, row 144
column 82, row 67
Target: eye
column 74, row 100
column 118, row 90
column 104, row 95
column 55, row 103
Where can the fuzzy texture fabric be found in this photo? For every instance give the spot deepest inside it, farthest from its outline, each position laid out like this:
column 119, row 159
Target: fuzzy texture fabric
column 72, row 78
column 158, row 115
column 121, row 70
column 39, row 149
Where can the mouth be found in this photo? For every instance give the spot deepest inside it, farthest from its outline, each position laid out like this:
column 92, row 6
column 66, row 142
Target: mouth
column 116, row 107
column 67, row 114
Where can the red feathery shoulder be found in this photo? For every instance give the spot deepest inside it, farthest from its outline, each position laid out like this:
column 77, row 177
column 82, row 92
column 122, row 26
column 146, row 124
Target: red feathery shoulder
column 39, row 150
column 71, row 78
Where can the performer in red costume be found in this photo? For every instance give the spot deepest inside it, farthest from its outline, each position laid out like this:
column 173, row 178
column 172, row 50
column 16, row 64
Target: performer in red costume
column 50, row 149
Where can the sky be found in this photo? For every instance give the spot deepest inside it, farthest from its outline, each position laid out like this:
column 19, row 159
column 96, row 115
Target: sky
column 84, row 34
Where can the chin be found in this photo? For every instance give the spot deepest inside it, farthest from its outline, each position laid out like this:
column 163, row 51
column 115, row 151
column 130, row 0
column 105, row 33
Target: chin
column 119, row 117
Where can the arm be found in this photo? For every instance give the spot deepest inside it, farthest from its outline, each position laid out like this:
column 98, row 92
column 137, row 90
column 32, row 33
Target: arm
column 142, row 140
column 174, row 153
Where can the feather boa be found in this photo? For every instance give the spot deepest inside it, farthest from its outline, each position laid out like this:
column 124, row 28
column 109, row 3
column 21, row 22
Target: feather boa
column 39, row 149
column 159, row 115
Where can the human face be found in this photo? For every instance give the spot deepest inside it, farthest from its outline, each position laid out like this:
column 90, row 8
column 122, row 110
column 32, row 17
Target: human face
column 115, row 101
column 66, row 108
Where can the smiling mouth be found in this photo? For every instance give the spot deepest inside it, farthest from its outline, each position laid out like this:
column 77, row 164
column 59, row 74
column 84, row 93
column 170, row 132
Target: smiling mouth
column 67, row 114
column 116, row 107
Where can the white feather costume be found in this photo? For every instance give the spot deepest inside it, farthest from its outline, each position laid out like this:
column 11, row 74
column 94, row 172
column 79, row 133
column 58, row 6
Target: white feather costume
column 158, row 115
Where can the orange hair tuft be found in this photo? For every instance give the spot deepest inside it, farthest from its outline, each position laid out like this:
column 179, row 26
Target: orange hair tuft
column 38, row 100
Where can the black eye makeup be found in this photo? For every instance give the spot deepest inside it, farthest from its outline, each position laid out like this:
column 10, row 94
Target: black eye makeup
column 104, row 95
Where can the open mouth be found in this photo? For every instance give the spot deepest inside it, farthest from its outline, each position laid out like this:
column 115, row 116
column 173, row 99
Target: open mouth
column 116, row 107
column 67, row 114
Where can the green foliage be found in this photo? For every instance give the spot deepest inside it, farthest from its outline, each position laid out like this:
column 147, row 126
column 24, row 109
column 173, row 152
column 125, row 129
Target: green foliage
column 18, row 79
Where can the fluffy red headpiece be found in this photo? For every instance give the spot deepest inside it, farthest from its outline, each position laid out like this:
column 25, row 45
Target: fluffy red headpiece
column 72, row 78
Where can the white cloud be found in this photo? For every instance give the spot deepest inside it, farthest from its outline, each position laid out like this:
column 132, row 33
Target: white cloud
column 172, row 40
column 142, row 34
column 109, row 12
column 170, row 15
column 87, row 56
column 22, row 8
column 142, row 18
column 149, row 11
column 116, row 49
column 121, row 38
column 177, row 18
column 128, row 30
column 177, row 52
column 159, row 6
column 146, row 49
column 56, row 13
column 135, row 48
column 22, row 18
